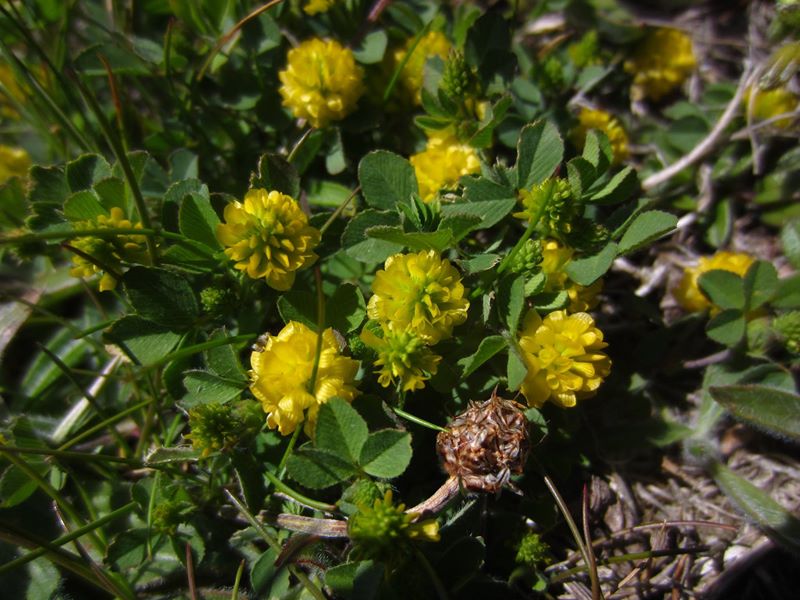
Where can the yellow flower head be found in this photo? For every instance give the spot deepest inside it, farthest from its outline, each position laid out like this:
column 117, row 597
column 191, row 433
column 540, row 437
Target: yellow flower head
column 420, row 293
column 563, row 356
column 660, row 64
column 555, row 258
column 312, row 7
column 772, row 103
column 14, row 162
column 268, row 236
column 607, row 123
column 433, row 43
column 403, row 357
column 108, row 252
column 321, row 82
column 441, row 164
column 282, row 370
column 688, row 293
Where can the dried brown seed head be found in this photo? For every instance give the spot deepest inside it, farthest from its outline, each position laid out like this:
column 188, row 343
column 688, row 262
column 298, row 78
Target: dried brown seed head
column 486, row 444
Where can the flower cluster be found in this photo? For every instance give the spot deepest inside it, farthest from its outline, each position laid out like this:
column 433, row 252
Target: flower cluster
column 555, row 258
column 216, row 427
column 282, row 371
column 433, row 43
column 321, row 82
column 563, row 354
column 417, row 300
column 14, row 162
column 551, row 206
column 768, row 104
column 106, row 254
column 660, row 64
column 590, row 118
column 441, row 164
column 688, row 293
column 384, row 530
column 268, row 236
column 402, row 357
column 421, row 293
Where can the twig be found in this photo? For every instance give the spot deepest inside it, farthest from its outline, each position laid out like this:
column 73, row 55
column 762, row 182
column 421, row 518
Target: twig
column 715, row 136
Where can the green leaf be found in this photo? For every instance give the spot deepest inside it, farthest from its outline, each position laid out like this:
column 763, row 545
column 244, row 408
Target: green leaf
column 490, row 212
column 481, row 189
column 728, row 327
column 372, row 48
column 386, row 453
column 86, row 170
column 758, row 506
column 365, row 249
column 183, row 164
column 316, row 468
column 198, row 221
column 550, row 301
column 720, row 228
column 480, row 263
column 161, row 296
column 597, row 150
column 83, row 205
column 516, row 370
column 723, row 288
column 298, row 306
column 772, row 410
column 760, row 284
column 142, row 340
column 645, row 228
column 415, row 240
column 488, row 347
column 511, row 301
column 581, row 175
column 208, row 388
column 535, row 284
column 619, row 189
column 263, row 571
column 111, row 192
column 357, row 580
column 224, row 360
column 539, row 151
column 275, row 173
column 175, row 454
column 340, row 430
column 586, row 271
column 788, row 293
column 345, row 309
column 459, row 225
column 47, row 190
column 386, row 179
column 790, row 239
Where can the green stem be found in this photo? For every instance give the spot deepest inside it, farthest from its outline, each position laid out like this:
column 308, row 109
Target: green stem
column 299, row 145
column 48, row 489
column 64, row 539
column 338, row 211
column 287, row 453
column 305, row 500
column 438, row 586
column 191, row 350
column 310, row 586
column 66, row 455
column 409, row 417
column 239, row 571
column 103, row 424
column 529, row 231
column 312, row 382
column 396, row 75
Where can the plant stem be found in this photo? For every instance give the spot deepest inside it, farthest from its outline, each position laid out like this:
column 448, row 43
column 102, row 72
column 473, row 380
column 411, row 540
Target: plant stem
column 286, row 453
column 102, row 424
column 409, row 417
column 191, row 350
column 81, row 456
column 335, row 214
column 305, row 500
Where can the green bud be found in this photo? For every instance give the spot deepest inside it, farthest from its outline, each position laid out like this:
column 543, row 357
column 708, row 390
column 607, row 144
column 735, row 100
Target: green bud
column 533, row 552
column 216, row 300
column 584, row 52
column 527, row 257
column 167, row 515
column 221, row 427
column 458, row 79
column 553, row 207
column 787, row 326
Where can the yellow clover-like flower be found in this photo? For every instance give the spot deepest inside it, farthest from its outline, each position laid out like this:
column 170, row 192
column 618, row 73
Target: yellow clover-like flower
column 268, row 236
column 433, row 43
column 660, row 64
column 590, row 118
column 282, row 370
column 555, row 258
column 107, row 252
column 688, row 293
column 403, row 357
column 563, row 356
column 313, row 7
column 420, row 293
column 441, row 164
column 321, row 82
column 768, row 104
column 14, row 162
